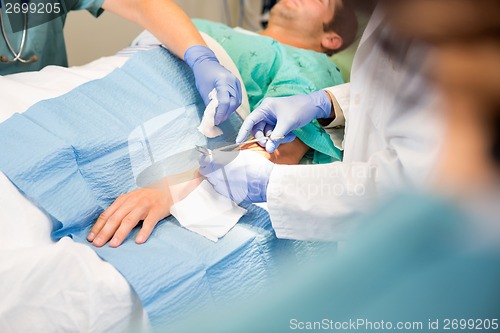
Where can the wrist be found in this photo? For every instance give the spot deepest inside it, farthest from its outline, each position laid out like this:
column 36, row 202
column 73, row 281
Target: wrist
column 331, row 117
column 198, row 53
column 323, row 102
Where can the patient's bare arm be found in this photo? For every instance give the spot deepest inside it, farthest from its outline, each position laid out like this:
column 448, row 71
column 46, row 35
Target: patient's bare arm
column 287, row 153
column 149, row 204
column 152, row 204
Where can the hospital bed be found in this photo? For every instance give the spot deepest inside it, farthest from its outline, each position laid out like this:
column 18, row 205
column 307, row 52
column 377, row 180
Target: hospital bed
column 45, row 284
column 51, row 279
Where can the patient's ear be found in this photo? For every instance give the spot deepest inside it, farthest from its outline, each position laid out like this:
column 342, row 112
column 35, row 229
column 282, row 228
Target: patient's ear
column 331, row 41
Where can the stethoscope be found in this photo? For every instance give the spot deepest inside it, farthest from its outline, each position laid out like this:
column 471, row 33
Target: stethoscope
column 17, row 55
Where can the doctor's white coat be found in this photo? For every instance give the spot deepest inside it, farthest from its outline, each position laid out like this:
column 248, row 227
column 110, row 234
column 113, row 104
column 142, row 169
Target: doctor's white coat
column 393, row 134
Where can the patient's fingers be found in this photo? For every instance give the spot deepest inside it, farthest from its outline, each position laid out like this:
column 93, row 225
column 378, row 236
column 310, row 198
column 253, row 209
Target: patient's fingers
column 96, row 228
column 124, row 214
column 113, row 222
column 148, row 225
column 127, row 224
column 103, row 218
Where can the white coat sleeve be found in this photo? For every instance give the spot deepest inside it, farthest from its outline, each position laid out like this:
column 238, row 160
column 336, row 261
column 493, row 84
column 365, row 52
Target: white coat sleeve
column 322, row 202
column 392, row 139
column 318, row 202
column 341, row 95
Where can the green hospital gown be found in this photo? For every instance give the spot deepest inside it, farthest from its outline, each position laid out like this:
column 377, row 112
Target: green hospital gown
column 272, row 69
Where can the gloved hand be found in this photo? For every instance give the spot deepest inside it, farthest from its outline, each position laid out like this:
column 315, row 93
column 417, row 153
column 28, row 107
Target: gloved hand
column 242, row 176
column 210, row 74
column 279, row 116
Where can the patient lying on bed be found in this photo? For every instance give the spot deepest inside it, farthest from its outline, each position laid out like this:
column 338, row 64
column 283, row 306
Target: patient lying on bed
column 63, row 144
column 291, row 61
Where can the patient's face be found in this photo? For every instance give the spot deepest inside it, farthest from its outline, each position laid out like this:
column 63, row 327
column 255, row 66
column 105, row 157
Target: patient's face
column 303, row 17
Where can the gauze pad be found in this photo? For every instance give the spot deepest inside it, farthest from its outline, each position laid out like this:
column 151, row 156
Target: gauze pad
column 206, row 212
column 207, row 126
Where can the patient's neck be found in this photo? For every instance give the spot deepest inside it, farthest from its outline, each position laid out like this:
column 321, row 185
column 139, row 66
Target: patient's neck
column 284, row 36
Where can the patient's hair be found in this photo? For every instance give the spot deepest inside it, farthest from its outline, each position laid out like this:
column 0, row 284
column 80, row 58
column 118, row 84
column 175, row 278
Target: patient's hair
column 345, row 24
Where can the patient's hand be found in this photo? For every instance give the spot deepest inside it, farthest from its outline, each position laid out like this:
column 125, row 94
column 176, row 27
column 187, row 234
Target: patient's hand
column 153, row 203
column 149, row 205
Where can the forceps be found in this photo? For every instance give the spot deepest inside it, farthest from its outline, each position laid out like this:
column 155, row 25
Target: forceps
column 205, row 151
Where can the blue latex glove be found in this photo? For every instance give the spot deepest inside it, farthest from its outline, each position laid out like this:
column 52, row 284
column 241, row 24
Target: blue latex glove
column 242, row 176
column 279, row 116
column 210, row 74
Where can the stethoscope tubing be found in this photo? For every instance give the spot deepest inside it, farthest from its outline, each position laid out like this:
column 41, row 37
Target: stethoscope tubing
column 17, row 55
